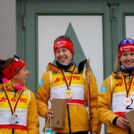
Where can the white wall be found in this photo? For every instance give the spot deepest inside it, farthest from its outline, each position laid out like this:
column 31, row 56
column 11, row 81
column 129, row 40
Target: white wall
column 7, row 28
column 89, row 32
column 129, row 26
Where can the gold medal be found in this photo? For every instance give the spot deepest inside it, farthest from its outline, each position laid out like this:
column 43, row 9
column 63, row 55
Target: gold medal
column 127, row 101
column 13, row 119
column 68, row 94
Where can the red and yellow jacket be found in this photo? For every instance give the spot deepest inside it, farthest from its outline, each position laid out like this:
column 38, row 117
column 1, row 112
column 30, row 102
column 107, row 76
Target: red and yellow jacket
column 25, row 111
column 52, row 85
column 110, row 101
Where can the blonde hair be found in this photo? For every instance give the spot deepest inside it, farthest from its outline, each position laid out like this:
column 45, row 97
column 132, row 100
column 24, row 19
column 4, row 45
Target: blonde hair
column 117, row 63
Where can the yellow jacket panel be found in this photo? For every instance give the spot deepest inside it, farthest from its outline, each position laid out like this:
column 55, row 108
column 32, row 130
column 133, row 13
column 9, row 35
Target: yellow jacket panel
column 26, row 111
column 110, row 101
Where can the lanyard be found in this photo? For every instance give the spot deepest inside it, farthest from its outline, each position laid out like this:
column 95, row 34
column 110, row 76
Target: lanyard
column 68, row 84
column 127, row 89
column 9, row 102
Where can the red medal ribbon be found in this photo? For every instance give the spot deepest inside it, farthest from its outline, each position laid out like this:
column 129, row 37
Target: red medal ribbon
column 68, row 84
column 127, row 89
column 9, row 102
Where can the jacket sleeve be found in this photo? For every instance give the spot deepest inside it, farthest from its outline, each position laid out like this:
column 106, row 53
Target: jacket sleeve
column 106, row 116
column 33, row 120
column 43, row 94
column 93, row 101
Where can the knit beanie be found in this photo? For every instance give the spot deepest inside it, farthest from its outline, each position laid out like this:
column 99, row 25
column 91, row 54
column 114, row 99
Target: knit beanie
column 63, row 43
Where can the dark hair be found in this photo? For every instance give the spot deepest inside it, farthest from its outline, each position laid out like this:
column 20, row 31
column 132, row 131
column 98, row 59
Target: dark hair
column 3, row 65
column 62, row 37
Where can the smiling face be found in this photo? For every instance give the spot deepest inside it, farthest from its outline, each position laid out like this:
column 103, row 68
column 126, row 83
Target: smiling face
column 127, row 59
column 20, row 78
column 63, row 56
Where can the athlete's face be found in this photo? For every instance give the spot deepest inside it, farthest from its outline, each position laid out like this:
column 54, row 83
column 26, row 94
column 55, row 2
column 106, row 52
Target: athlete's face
column 63, row 56
column 20, row 78
column 127, row 59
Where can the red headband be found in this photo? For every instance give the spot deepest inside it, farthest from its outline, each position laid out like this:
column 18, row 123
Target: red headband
column 125, row 48
column 64, row 44
column 13, row 69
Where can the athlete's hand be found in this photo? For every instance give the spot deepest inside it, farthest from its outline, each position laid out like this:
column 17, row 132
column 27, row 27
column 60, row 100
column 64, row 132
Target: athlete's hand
column 94, row 132
column 49, row 113
column 122, row 123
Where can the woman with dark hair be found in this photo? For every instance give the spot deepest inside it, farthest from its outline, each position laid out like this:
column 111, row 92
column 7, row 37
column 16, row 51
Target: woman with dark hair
column 18, row 110
column 64, row 80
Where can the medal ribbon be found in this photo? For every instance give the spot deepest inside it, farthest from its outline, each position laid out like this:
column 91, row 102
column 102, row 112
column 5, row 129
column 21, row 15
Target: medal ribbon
column 9, row 102
column 127, row 89
column 68, row 84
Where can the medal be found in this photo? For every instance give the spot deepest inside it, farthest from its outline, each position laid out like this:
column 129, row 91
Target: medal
column 68, row 94
column 127, row 101
column 13, row 119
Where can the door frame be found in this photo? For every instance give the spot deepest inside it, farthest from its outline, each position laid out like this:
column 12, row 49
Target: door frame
column 113, row 12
